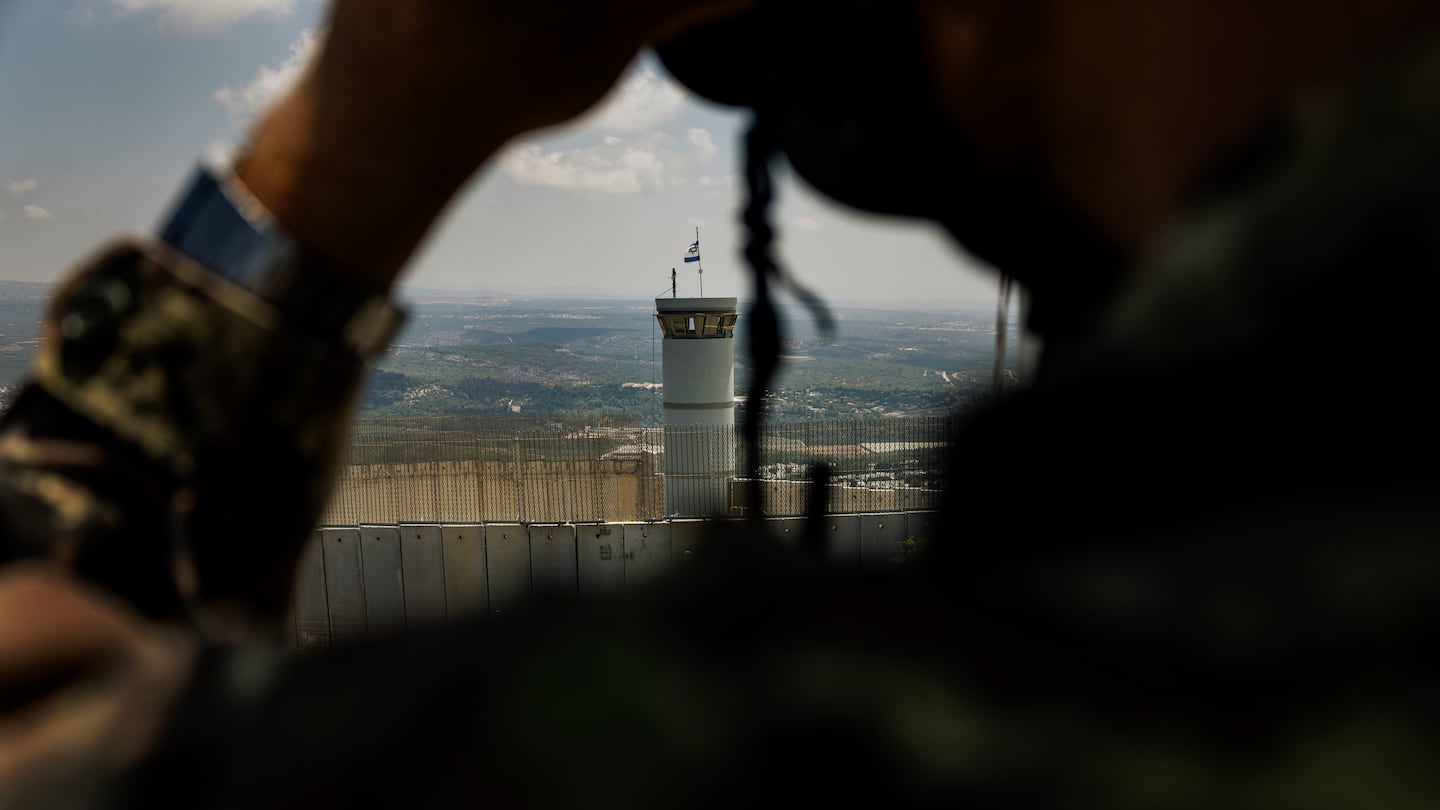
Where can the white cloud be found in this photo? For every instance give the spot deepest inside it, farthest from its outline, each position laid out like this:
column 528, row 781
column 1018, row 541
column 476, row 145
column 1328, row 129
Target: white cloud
column 36, row 212
column 630, row 152
column 705, row 148
column 244, row 103
column 219, row 153
column 643, row 100
column 201, row 16
column 647, row 163
column 19, row 187
column 611, row 168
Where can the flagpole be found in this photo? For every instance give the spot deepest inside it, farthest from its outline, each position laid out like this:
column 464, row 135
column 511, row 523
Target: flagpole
column 700, row 261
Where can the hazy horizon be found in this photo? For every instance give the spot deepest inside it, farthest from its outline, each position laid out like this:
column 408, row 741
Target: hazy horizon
column 410, row 293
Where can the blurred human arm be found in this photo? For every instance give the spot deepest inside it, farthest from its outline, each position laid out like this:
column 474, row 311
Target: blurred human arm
column 84, row 687
column 177, row 440
column 407, row 100
column 172, row 411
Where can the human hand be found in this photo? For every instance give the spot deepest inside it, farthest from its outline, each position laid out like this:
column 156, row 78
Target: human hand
column 85, row 684
column 53, row 629
column 408, row 99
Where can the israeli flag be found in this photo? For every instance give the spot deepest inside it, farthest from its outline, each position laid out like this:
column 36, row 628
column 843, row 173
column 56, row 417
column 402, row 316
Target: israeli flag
column 693, row 254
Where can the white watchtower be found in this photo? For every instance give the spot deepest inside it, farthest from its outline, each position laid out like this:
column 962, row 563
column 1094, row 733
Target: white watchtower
column 699, row 377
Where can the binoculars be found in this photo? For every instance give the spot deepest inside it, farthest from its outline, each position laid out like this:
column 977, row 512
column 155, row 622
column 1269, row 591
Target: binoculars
column 846, row 90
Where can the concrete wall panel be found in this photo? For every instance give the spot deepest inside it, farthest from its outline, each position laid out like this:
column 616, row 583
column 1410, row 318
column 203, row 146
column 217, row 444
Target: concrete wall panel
column 552, row 560
column 507, row 560
column 787, row 531
column 601, row 556
column 354, row 584
column 647, row 552
column 384, row 579
column 344, row 585
column 688, row 540
column 842, row 539
column 467, row 591
column 881, row 538
column 922, row 526
column 309, row 610
column 423, row 563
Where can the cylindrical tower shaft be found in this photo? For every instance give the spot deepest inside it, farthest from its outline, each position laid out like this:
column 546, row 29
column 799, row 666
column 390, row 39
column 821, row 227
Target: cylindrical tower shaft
column 699, row 363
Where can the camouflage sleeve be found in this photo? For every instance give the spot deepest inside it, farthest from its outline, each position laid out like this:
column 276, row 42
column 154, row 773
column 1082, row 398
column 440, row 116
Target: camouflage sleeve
column 177, row 440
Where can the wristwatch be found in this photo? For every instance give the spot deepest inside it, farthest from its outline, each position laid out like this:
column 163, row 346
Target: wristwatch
column 220, row 225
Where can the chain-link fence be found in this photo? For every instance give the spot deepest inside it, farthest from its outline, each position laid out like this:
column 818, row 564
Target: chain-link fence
column 460, row 469
column 875, row 465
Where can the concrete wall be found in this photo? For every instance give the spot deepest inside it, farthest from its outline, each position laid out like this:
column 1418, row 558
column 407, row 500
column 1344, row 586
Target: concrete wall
column 362, row 582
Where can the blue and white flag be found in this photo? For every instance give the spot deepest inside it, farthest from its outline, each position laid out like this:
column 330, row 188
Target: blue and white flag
column 693, row 254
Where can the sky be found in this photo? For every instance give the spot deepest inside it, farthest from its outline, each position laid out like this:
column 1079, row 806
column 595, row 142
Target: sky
column 106, row 104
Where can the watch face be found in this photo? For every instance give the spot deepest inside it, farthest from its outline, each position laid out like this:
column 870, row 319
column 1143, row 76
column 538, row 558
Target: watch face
column 846, row 87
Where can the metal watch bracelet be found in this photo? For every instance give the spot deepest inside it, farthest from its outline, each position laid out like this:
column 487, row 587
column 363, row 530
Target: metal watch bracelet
column 220, row 225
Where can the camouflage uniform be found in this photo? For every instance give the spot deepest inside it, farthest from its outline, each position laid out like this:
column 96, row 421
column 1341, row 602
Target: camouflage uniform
column 172, row 413
column 1194, row 566
column 175, row 446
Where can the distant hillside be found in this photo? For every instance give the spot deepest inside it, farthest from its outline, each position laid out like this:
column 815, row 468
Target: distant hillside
column 22, row 306
column 25, row 290
column 595, row 356
column 588, row 357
